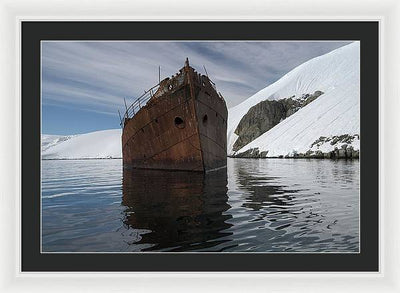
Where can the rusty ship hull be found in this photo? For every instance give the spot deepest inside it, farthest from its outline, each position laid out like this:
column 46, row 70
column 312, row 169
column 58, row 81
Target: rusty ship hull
column 181, row 127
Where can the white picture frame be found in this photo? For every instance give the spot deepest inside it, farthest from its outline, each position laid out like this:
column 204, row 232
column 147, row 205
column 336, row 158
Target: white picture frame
column 13, row 12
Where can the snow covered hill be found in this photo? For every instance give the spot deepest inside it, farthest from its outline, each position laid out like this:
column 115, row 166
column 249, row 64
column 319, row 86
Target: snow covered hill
column 330, row 121
column 49, row 141
column 99, row 144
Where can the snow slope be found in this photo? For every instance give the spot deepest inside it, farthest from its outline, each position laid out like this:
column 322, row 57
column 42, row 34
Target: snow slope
column 49, row 140
column 99, row 144
column 336, row 112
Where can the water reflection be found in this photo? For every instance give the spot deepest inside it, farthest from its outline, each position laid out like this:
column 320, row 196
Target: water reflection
column 177, row 211
column 262, row 191
column 297, row 213
column 263, row 206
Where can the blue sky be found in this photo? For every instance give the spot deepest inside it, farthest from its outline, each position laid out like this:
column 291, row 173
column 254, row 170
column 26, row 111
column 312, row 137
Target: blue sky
column 84, row 83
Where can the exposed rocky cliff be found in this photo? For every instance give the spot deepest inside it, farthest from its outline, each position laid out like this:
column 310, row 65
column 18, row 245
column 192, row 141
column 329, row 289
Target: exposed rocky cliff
column 266, row 114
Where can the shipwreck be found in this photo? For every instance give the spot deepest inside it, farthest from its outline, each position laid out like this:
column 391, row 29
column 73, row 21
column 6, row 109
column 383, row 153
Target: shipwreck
column 179, row 124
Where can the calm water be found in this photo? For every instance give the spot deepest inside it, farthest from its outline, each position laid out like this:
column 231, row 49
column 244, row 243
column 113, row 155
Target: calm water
column 267, row 205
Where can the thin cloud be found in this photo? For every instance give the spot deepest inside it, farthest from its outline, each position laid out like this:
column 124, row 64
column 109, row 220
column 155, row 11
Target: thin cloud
column 98, row 75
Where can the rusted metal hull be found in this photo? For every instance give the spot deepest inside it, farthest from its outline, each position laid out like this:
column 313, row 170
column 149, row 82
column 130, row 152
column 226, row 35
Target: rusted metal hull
column 182, row 127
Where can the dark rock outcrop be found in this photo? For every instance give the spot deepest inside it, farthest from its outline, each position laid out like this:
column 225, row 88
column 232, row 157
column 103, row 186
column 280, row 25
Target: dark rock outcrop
column 341, row 149
column 263, row 116
column 252, row 153
column 259, row 119
column 336, row 139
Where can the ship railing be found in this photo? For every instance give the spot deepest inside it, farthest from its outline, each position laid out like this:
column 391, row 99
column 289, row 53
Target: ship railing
column 212, row 84
column 138, row 103
column 202, row 78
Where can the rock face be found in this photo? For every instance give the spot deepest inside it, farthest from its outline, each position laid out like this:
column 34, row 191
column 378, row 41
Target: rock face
column 252, row 153
column 259, row 119
column 342, row 149
column 263, row 116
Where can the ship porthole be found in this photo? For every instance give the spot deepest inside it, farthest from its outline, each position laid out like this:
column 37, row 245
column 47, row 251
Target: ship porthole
column 179, row 122
column 205, row 118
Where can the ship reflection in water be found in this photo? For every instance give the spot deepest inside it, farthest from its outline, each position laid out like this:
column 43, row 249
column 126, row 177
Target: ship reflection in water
column 272, row 205
column 181, row 211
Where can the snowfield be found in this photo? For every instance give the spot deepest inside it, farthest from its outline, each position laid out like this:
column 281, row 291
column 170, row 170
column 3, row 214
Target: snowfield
column 334, row 113
column 49, row 141
column 95, row 145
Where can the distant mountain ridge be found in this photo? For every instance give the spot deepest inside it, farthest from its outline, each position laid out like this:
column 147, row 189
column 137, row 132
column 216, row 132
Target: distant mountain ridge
column 49, row 141
column 104, row 144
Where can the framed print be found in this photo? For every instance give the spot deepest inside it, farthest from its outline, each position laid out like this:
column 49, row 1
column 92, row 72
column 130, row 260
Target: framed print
column 196, row 179
column 307, row 200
